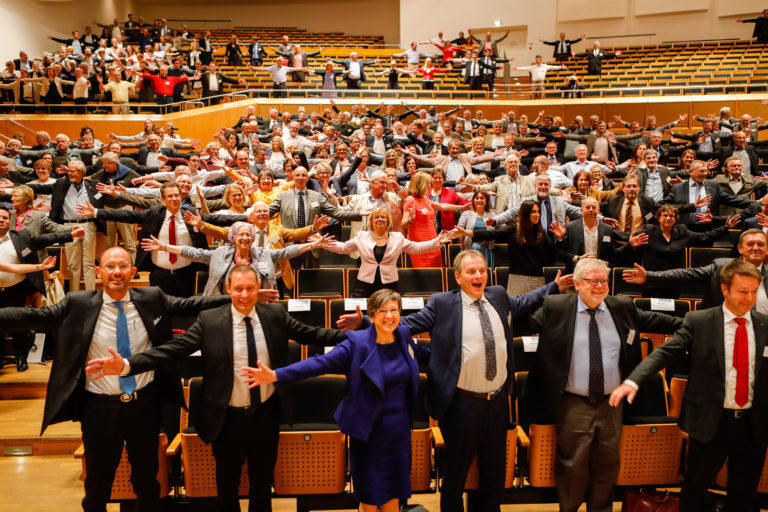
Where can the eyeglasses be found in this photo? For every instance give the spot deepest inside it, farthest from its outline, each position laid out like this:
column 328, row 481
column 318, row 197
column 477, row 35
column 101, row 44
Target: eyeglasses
column 595, row 282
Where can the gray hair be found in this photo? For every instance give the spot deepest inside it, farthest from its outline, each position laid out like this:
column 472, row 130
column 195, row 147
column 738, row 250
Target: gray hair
column 588, row 264
column 79, row 165
column 236, row 227
column 375, row 175
column 110, row 156
column 62, row 136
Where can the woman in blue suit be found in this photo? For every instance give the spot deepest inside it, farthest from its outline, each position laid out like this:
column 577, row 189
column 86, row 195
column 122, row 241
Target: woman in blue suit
column 381, row 364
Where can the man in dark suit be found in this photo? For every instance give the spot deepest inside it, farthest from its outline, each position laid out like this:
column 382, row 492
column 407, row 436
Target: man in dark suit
column 761, row 27
column 22, row 247
column 595, row 58
column 112, row 411
column 746, row 152
column 206, row 48
column 256, row 52
column 473, row 71
column 707, row 142
column 356, row 68
column 562, row 46
column 471, row 373
column 706, row 196
column 724, row 410
column 213, row 83
column 736, row 183
column 588, row 343
column 175, row 275
column 151, row 154
column 753, row 248
column 241, row 424
column 586, row 237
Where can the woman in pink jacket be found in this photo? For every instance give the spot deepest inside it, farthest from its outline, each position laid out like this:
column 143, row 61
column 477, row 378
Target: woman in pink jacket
column 380, row 250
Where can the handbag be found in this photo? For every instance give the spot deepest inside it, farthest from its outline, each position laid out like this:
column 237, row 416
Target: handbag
column 642, row 500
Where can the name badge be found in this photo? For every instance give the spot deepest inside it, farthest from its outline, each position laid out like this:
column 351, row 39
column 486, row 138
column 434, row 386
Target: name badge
column 262, row 265
column 97, row 195
column 295, row 305
column 765, row 352
column 631, row 337
column 315, row 205
column 607, row 239
column 275, row 239
column 410, row 351
column 25, row 252
column 530, row 343
column 350, row 304
column 662, row 304
column 648, row 216
column 424, row 211
column 413, row 302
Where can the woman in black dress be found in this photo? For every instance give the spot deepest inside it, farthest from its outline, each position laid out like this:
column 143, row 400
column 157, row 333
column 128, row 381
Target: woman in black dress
column 393, row 74
column 530, row 249
column 232, row 52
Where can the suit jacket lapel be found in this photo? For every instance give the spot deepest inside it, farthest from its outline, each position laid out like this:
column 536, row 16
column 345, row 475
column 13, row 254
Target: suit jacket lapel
column 90, row 316
column 716, row 329
column 760, row 334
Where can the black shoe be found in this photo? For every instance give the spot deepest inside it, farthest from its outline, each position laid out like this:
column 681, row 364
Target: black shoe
column 21, row 364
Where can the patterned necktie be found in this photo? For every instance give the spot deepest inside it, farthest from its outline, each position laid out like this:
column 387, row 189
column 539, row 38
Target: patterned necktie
column 301, row 220
column 250, row 341
column 741, row 362
column 127, row 384
column 490, row 345
column 262, row 238
column 172, row 237
column 628, row 217
column 596, row 378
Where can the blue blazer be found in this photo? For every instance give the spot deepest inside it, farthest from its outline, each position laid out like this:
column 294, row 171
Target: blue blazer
column 358, row 358
column 441, row 317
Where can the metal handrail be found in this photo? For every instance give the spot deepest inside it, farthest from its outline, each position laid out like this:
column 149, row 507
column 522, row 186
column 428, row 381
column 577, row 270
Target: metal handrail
column 502, row 91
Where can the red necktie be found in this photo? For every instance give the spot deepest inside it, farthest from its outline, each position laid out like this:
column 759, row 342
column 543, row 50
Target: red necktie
column 741, row 363
column 172, row 237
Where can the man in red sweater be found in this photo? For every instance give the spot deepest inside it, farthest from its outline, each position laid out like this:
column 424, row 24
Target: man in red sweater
column 164, row 84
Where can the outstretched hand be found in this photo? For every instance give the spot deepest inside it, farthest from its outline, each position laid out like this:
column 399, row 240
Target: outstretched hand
column 258, row 376
column 98, row 368
column 350, row 321
column 621, row 392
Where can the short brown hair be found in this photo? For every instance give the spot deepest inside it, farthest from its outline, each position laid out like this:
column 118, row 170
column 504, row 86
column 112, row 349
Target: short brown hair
column 381, row 297
column 467, row 253
column 168, row 184
column 741, row 268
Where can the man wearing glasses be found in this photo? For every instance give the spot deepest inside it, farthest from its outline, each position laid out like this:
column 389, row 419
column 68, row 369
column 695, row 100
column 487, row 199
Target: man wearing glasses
column 588, row 344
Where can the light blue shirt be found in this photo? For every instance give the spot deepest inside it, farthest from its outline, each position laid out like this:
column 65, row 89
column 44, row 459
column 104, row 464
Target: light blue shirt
column 578, row 373
column 696, row 190
column 653, row 187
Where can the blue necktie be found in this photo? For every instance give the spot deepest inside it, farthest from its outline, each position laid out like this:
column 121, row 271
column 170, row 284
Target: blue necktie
column 127, row 384
column 545, row 210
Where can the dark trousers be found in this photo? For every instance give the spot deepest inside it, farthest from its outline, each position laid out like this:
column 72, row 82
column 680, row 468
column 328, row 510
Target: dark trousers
column 476, row 83
column 428, row 85
column 354, row 84
column 253, row 437
column 587, row 462
column 734, row 440
column 180, row 283
column 474, row 427
column 16, row 297
column 279, row 90
column 489, row 80
column 306, row 260
column 105, row 425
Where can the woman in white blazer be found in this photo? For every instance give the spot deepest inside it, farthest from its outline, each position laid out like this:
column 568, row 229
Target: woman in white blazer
column 380, row 250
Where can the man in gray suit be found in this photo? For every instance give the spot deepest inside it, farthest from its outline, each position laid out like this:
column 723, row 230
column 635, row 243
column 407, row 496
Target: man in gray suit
column 553, row 208
column 299, row 206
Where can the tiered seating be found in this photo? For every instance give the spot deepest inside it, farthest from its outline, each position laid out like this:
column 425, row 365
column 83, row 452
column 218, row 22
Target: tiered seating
column 688, row 67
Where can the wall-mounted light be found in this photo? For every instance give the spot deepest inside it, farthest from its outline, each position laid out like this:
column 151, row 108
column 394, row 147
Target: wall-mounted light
column 496, row 23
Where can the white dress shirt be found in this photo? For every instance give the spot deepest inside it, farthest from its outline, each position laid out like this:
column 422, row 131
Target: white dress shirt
column 241, row 396
column 472, row 374
column 8, row 255
column 590, row 240
column 729, row 337
column 105, row 336
column 161, row 258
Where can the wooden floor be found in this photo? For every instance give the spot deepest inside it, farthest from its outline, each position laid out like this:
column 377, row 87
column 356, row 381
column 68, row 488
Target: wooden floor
column 50, row 483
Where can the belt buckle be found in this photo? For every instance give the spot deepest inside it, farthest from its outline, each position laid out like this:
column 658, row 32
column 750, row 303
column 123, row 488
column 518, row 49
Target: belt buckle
column 739, row 414
column 489, row 396
column 125, row 397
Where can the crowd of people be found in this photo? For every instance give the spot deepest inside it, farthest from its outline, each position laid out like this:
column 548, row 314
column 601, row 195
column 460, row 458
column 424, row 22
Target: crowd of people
column 277, row 191
column 134, row 60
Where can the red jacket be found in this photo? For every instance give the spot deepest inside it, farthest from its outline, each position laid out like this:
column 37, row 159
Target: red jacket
column 448, row 219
